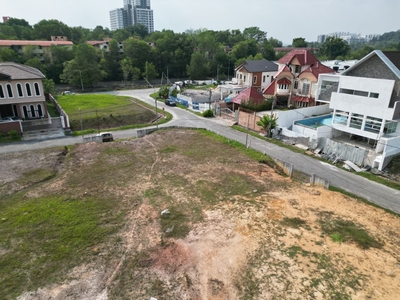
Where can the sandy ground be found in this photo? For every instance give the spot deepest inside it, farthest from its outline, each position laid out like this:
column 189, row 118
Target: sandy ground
column 242, row 249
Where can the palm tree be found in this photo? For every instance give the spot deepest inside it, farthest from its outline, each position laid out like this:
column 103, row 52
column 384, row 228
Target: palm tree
column 267, row 123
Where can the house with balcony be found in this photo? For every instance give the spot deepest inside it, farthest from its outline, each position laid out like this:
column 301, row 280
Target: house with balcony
column 295, row 82
column 365, row 103
column 21, row 95
column 255, row 73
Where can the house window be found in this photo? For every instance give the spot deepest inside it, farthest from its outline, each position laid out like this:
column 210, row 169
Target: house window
column 305, row 89
column 296, row 85
column 40, row 111
column 32, row 109
column 240, row 76
column 374, row 95
column 373, row 124
column 28, row 89
column 390, row 127
column 255, row 79
column 356, row 121
column 37, row 89
column 25, row 112
column 9, row 91
column 264, row 78
column 19, row 89
column 297, row 69
column 283, row 86
column 244, row 78
column 2, row 96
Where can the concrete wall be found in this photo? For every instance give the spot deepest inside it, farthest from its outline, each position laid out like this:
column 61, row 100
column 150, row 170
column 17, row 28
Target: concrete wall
column 250, row 120
column 5, row 127
column 392, row 149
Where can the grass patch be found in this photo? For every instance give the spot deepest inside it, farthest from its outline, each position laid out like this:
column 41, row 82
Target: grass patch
column 294, row 250
column 293, row 222
column 43, row 238
column 343, row 230
column 174, row 224
column 89, row 113
column 381, row 180
column 51, row 109
column 36, row 176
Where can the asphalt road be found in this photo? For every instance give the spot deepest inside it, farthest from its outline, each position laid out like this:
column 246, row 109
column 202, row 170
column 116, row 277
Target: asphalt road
column 357, row 185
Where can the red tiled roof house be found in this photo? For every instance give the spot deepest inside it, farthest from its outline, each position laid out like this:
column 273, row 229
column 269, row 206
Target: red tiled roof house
column 295, row 83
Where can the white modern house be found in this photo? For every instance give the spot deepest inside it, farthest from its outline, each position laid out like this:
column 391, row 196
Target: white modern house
column 365, row 103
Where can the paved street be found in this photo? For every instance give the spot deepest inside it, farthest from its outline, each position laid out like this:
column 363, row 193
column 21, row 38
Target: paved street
column 374, row 192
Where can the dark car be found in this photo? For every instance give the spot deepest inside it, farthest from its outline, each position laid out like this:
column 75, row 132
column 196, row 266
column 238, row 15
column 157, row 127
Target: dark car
column 170, row 102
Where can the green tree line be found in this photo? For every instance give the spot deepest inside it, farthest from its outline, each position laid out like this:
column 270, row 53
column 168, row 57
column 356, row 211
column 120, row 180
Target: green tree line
column 194, row 54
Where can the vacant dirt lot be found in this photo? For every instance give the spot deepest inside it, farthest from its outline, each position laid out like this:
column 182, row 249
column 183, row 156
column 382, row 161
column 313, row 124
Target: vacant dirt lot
column 234, row 229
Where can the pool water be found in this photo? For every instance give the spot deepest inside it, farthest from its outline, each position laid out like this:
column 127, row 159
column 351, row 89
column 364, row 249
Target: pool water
column 325, row 120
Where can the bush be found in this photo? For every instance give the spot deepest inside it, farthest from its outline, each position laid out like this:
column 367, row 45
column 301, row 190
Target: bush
column 163, row 92
column 208, row 113
column 13, row 134
column 265, row 105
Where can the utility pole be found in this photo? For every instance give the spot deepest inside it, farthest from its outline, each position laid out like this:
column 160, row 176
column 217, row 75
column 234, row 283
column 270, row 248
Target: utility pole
column 247, row 133
column 229, row 66
column 80, row 74
column 98, row 125
column 80, row 116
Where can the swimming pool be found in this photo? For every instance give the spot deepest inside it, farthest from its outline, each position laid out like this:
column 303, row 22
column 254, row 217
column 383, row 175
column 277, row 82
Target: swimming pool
column 325, row 120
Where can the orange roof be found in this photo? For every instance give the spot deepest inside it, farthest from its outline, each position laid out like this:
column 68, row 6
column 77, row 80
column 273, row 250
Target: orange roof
column 317, row 69
column 304, row 56
column 10, row 43
column 270, row 89
column 302, row 99
column 247, row 94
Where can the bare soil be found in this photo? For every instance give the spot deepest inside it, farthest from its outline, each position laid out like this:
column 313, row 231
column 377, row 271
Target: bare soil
column 236, row 228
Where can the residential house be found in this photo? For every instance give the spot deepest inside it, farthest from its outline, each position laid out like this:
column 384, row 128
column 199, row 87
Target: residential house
column 255, row 73
column 42, row 48
column 295, row 83
column 104, row 45
column 249, row 95
column 365, row 100
column 21, row 94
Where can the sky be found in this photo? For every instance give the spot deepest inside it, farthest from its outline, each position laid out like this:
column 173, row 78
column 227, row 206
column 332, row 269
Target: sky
column 281, row 19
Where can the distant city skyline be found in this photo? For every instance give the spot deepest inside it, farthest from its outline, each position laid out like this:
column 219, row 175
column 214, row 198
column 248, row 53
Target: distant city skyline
column 281, row 21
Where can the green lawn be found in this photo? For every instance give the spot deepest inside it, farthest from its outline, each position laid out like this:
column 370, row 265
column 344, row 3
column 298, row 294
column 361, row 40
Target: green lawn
column 105, row 112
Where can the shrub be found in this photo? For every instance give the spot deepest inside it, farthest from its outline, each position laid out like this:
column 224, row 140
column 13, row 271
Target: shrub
column 13, row 134
column 163, row 92
column 208, row 113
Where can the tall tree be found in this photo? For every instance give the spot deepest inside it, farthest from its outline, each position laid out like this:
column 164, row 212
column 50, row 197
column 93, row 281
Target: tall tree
column 299, row 42
column 255, row 33
column 198, row 68
column 334, row 47
column 47, row 28
column 138, row 51
column 84, row 69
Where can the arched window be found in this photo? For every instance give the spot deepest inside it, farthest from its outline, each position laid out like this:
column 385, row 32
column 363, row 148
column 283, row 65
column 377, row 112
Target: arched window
column 37, row 89
column 9, row 91
column 26, row 116
column 28, row 90
column 40, row 111
column 33, row 113
column 2, row 95
column 19, row 89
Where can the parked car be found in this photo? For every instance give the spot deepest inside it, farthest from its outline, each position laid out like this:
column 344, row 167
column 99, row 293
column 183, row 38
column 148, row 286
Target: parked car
column 68, row 93
column 9, row 119
column 106, row 136
column 170, row 102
